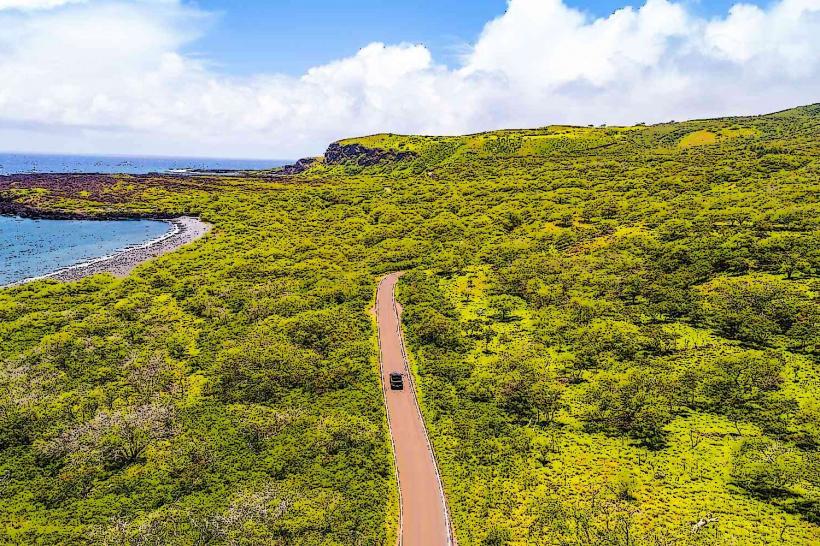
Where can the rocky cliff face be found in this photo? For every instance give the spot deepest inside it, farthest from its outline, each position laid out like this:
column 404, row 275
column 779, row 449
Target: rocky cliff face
column 356, row 154
column 360, row 155
column 300, row 166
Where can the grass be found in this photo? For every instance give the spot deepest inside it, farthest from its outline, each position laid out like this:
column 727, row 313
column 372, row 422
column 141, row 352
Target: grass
column 698, row 138
column 670, row 489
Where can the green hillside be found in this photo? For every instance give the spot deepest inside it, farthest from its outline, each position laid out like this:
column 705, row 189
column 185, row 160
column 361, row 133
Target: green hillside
column 615, row 332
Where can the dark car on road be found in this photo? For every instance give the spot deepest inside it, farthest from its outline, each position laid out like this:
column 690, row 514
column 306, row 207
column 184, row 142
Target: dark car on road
column 396, row 381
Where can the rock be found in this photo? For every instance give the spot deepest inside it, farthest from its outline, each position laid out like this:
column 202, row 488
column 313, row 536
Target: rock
column 703, row 522
column 338, row 154
column 300, row 166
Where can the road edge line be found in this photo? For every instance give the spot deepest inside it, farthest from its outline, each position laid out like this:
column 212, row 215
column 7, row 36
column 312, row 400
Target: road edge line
column 387, row 413
column 451, row 540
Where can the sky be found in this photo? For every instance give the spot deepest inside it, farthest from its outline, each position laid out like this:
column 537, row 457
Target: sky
column 282, row 79
column 290, row 36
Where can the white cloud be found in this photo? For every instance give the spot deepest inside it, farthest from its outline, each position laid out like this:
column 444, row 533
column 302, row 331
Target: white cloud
column 543, row 43
column 36, row 4
column 110, row 77
column 784, row 38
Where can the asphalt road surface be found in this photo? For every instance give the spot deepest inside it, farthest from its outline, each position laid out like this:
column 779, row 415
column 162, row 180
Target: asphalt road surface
column 424, row 517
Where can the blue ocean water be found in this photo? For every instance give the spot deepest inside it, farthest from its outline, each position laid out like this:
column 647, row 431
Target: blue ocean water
column 30, row 248
column 12, row 163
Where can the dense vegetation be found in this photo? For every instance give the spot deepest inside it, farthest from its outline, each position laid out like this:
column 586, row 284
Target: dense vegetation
column 224, row 394
column 615, row 333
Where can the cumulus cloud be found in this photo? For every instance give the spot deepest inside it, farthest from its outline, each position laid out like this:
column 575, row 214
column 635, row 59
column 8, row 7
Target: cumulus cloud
column 109, row 76
column 543, row 43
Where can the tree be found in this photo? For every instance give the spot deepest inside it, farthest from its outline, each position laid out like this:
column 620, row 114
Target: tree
column 631, row 404
column 751, row 309
column 431, row 326
column 263, row 367
column 258, row 424
column 789, row 252
column 504, row 306
column 497, row 536
column 547, row 398
column 766, row 467
column 514, row 393
column 741, row 385
column 604, row 342
column 116, row 438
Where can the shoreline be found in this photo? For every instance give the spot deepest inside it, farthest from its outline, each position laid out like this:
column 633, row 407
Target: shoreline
column 184, row 230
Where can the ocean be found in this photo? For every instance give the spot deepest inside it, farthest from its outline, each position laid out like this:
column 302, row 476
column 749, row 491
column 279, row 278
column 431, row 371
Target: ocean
column 16, row 163
column 32, row 248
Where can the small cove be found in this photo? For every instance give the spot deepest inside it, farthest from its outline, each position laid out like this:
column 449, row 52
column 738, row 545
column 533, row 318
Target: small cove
column 35, row 247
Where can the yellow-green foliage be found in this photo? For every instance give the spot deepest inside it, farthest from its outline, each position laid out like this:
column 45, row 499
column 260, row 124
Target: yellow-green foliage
column 740, row 132
column 698, row 138
column 614, row 338
column 669, row 488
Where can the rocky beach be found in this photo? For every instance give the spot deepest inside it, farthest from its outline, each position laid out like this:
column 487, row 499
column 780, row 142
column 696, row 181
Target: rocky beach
column 186, row 229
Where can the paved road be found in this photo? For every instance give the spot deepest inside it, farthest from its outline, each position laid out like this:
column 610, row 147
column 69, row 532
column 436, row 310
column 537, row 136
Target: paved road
column 424, row 520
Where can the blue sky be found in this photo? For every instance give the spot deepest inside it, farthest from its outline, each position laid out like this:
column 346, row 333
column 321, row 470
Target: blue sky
column 290, row 36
